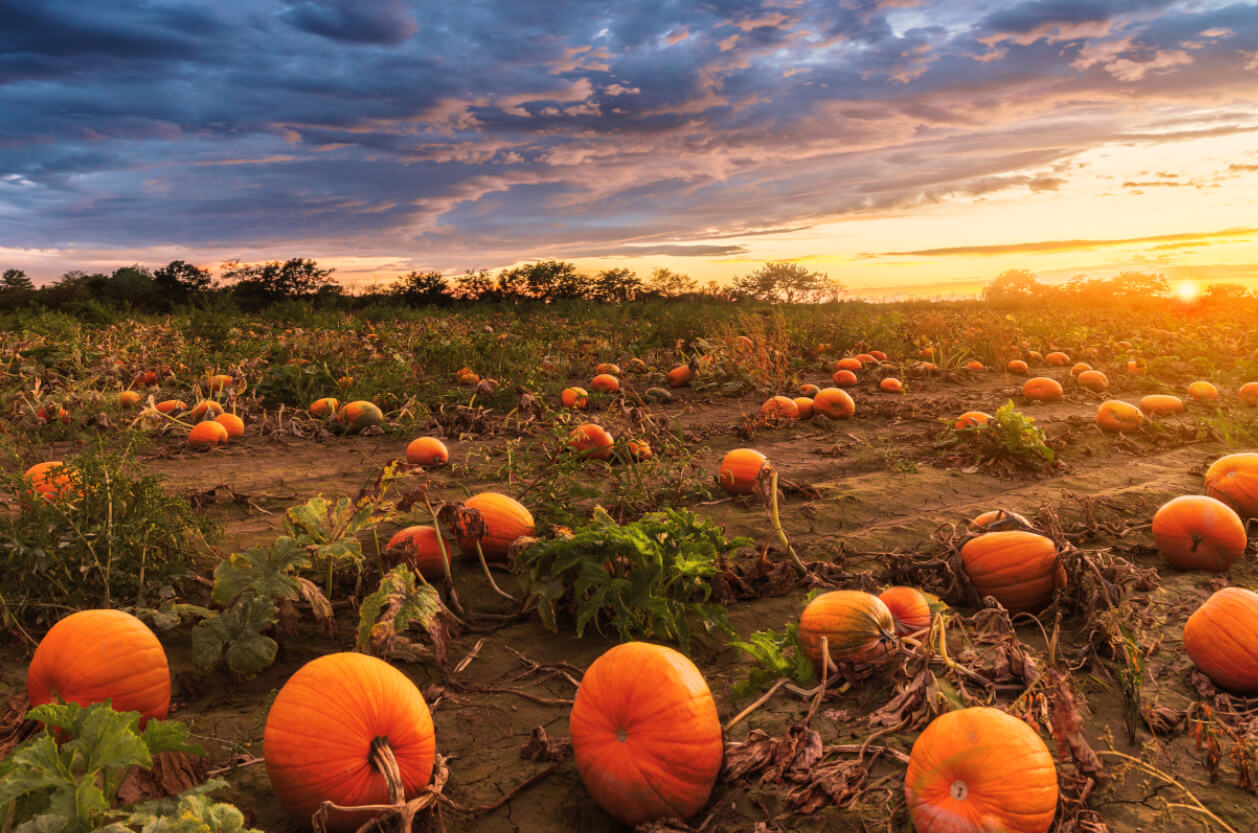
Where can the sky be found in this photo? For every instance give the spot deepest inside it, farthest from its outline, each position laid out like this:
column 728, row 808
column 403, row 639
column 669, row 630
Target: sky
column 901, row 147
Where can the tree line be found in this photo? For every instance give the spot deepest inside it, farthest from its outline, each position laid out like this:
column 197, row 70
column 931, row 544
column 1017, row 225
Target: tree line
column 1018, row 286
column 255, row 285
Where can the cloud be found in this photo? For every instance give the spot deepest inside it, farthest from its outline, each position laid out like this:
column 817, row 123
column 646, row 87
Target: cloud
column 1070, row 245
column 382, row 22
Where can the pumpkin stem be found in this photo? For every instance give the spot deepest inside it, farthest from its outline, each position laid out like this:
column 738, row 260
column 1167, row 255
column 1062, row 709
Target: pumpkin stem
column 1196, row 541
column 383, row 760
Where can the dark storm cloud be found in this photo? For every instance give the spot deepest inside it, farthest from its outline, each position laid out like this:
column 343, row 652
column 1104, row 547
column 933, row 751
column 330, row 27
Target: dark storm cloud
column 494, row 128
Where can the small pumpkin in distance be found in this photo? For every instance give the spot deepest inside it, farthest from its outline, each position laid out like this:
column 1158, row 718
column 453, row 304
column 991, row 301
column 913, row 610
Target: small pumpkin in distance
column 128, row 398
column 353, row 417
column 1196, row 532
column 808, row 390
column 1203, row 392
column 95, row 655
column 1093, row 380
column 909, row 608
column 1042, row 389
column 639, row 449
column 52, row 480
column 325, row 407
column 608, row 368
column 959, row 779
column 1161, row 404
column 866, row 358
column 232, row 424
column 1017, row 367
column 645, row 734
column 420, row 547
column 590, row 440
column 427, row 451
column 1057, row 359
column 505, row 519
column 878, row 355
column 1035, row 356
column 844, row 378
column 605, row 383
column 574, row 398
column 1116, row 416
column 636, row 366
column 849, row 363
column 995, row 516
column 171, row 406
column 1019, row 569
column 891, row 385
column 206, row 409
column 1233, row 479
column 206, row 434
column 974, row 364
column 857, row 626
column 833, row 403
column 680, row 376
column 1079, row 368
column 219, row 382
column 972, row 419
column 1221, row 639
column 740, row 469
column 780, row 407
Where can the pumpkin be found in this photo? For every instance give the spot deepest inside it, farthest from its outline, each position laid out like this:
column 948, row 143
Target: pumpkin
column 645, row 734
column 1093, row 380
column 637, row 366
column 891, row 385
column 427, row 451
column 1057, row 359
column 608, row 368
column 419, row 547
column 590, row 440
column 144, row 378
column 1134, row 367
column 1248, row 393
column 640, row 449
column 324, row 725
column 1035, row 356
column 1234, row 480
column 232, row 424
column 1203, row 392
column 1018, row 368
column 605, row 383
column 922, row 368
column 574, row 398
column 971, row 419
column 1196, row 532
column 992, row 516
column 858, row 627
column 909, row 608
column 833, row 403
column 1221, row 638
column 325, row 407
column 128, row 399
column 47, row 415
column 205, row 434
column 960, row 779
column 679, row 377
column 357, row 415
column 879, row 355
column 1116, row 415
column 1080, row 367
column 1020, row 569
column 804, row 404
column 171, row 406
column 505, row 520
column 866, row 358
column 1161, row 404
column 974, row 365
column 740, row 469
column 97, row 655
column 52, row 480
column 1042, row 389
column 850, row 363
column 466, row 376
column 781, row 407
column 808, row 390
column 206, row 409
column 844, row 378
column 219, row 382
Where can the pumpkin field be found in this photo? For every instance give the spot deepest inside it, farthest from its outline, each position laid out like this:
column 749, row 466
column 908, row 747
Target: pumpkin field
column 944, row 567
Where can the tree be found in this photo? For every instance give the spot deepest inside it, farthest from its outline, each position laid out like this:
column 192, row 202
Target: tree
column 546, row 280
column 420, row 288
column 1013, row 285
column 15, row 280
column 274, row 281
column 787, row 282
column 669, row 284
column 615, row 286
column 1224, row 292
column 180, row 281
column 474, row 286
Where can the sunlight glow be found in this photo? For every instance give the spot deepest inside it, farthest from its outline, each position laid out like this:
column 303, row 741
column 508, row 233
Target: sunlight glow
column 1187, row 291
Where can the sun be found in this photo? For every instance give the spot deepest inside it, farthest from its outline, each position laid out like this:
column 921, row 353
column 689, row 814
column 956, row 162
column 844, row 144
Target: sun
column 1187, row 291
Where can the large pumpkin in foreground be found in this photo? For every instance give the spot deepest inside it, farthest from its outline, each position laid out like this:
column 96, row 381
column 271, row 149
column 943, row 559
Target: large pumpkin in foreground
column 857, row 626
column 1020, row 569
column 319, row 734
column 980, row 770
column 645, row 734
column 505, row 519
column 1234, row 480
column 1195, row 532
column 97, row 655
column 1221, row 638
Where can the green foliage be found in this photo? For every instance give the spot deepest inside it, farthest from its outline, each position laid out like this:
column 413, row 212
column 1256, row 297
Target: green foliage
column 123, row 540
column 1010, row 438
column 296, row 385
column 777, row 654
column 645, row 579
column 70, row 787
column 398, row 603
column 236, row 635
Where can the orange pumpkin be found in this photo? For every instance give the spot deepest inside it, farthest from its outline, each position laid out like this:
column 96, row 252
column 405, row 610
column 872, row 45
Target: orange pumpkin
column 605, row 383
column 645, row 734
column 1020, row 569
column 144, row 378
column 219, row 382
column 1203, row 392
column 808, row 390
column 866, row 358
column 858, row 627
column 680, row 377
column 1018, row 368
column 1195, row 532
column 833, row 403
column 640, row 449
column 1035, row 356
column 608, row 368
column 128, row 399
column 844, row 378
column 325, row 407
column 909, row 608
column 959, row 778
column 850, row 363
column 590, row 440
column 1221, row 638
column 974, row 365
column 804, row 404
column 740, row 469
column 232, row 424
column 782, row 407
column 991, row 516
column 879, row 355
column 1160, row 404
column 206, row 409
column 891, row 385
column 505, row 519
column 574, row 398
column 1234, row 480
column 355, row 416
column 1116, row 415
column 1080, row 368
column 51, row 480
column 427, row 451
column 97, row 655
column 637, row 366
column 419, row 547
column 1093, row 380
column 323, row 726
column 1042, row 389
column 208, row 433
column 47, row 415
column 1057, row 359
column 171, row 406
column 972, row 418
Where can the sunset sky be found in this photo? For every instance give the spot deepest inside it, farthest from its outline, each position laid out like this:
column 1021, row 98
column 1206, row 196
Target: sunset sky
column 902, row 147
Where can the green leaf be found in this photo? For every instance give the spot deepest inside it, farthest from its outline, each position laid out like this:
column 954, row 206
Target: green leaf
column 169, row 736
column 398, row 603
column 237, row 635
column 107, row 739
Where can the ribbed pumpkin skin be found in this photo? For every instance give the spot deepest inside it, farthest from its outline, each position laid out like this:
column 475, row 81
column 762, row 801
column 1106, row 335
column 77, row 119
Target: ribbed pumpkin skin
column 909, row 608
column 427, row 451
column 96, row 655
column 1248, row 393
column 605, row 383
column 1093, row 380
column 833, row 403
column 1018, row 367
column 997, row 763
column 1203, row 392
column 645, row 734
column 1020, row 569
column 1042, row 389
column 1221, row 638
column 844, row 378
column 739, row 470
column 590, row 440
column 506, row 520
column 51, row 480
column 780, row 406
column 318, row 736
column 1161, row 404
column 426, row 557
column 858, row 627
column 1057, row 359
column 207, row 433
column 972, row 418
column 355, row 416
column 326, row 406
column 1234, row 480
column 1114, row 415
column 1195, row 532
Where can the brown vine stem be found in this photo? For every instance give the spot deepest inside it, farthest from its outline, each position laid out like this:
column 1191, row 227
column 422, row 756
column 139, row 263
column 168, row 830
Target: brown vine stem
column 775, row 517
column 825, row 678
column 1149, row 769
column 764, row 698
column 484, row 565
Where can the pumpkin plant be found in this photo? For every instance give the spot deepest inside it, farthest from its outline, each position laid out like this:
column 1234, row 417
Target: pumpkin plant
column 1008, row 438
column 777, row 654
